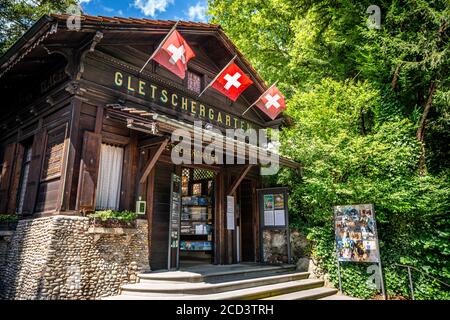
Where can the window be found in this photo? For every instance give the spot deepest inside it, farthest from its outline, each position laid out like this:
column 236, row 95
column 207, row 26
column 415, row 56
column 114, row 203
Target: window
column 24, row 177
column 53, row 158
column 194, row 82
column 109, row 177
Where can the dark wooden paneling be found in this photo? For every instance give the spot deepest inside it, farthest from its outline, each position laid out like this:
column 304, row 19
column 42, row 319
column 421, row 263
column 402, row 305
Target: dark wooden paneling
column 54, row 152
column 89, row 164
column 89, row 110
column 161, row 211
column 15, row 181
column 129, row 174
column 6, row 174
column 48, row 195
column 111, row 126
column 71, row 151
column 39, row 143
column 219, row 219
column 86, row 123
column 247, row 225
column 61, row 115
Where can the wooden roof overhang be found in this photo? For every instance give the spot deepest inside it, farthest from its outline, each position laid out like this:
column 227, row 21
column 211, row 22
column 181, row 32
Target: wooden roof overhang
column 51, row 31
column 153, row 123
column 33, row 53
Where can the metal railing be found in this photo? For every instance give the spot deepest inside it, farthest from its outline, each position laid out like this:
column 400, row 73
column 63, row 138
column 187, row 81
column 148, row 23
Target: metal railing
column 411, row 284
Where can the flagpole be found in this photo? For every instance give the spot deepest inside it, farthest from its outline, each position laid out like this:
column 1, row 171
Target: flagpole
column 259, row 98
column 218, row 75
column 160, row 45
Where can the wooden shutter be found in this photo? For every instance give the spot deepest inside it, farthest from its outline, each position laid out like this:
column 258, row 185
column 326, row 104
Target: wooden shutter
column 35, row 173
column 90, row 158
column 15, row 179
column 7, row 169
column 49, row 191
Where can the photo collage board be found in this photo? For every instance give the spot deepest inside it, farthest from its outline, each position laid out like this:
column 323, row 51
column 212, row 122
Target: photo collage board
column 356, row 233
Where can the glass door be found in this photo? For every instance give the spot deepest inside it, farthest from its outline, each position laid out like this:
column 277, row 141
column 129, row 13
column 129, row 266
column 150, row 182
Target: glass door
column 174, row 224
column 197, row 223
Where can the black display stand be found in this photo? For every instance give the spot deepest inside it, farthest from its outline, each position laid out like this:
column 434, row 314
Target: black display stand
column 174, row 223
column 280, row 221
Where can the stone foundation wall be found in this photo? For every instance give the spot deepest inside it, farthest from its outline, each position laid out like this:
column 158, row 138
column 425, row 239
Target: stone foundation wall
column 301, row 254
column 275, row 248
column 63, row 257
column 5, row 240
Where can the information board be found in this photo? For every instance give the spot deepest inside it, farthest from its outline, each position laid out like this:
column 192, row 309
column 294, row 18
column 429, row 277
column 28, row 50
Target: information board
column 356, row 233
column 273, row 211
column 230, row 213
column 174, row 225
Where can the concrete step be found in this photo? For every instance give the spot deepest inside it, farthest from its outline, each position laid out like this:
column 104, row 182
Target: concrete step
column 310, row 294
column 216, row 274
column 339, row 297
column 252, row 293
column 199, row 288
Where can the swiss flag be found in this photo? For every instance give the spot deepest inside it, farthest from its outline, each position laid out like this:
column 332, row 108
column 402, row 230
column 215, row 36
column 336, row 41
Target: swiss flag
column 272, row 102
column 232, row 82
column 174, row 54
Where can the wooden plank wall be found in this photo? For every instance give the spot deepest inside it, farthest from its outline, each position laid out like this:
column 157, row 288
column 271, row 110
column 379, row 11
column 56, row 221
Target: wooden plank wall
column 160, row 216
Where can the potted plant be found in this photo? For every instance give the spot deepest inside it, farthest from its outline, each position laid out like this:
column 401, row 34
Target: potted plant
column 8, row 221
column 113, row 219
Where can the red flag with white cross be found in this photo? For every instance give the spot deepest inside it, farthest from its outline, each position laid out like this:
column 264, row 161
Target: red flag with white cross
column 174, row 54
column 231, row 82
column 272, row 102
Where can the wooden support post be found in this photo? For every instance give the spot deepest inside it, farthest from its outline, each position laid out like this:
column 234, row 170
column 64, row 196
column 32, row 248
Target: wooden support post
column 66, row 199
column 151, row 163
column 219, row 219
column 239, row 178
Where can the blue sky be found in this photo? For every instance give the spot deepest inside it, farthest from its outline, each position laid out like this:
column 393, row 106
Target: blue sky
column 192, row 10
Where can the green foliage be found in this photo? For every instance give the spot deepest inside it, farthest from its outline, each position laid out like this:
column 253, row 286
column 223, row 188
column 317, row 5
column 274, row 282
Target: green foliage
column 125, row 216
column 9, row 218
column 356, row 96
column 16, row 16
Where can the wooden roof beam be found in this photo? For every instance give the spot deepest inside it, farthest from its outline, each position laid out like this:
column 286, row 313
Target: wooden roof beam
column 152, row 161
column 238, row 180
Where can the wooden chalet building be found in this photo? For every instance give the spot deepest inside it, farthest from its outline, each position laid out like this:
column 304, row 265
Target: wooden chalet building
column 82, row 129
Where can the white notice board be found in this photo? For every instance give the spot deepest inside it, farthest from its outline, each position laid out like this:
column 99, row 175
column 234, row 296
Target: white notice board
column 230, row 213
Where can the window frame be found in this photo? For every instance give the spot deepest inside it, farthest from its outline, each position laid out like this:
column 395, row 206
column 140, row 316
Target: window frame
column 23, row 180
column 201, row 80
column 116, row 145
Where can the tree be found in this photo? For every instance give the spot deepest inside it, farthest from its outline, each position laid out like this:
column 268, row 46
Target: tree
column 17, row 16
column 365, row 103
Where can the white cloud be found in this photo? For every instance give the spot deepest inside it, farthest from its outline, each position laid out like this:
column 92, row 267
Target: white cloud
column 84, row 1
column 197, row 12
column 150, row 7
column 108, row 9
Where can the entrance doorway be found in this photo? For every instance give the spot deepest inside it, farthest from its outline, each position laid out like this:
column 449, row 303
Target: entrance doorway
column 197, row 217
column 247, row 221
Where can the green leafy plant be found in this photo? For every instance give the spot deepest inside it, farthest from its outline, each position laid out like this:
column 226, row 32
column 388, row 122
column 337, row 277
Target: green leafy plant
column 361, row 124
column 10, row 218
column 105, row 215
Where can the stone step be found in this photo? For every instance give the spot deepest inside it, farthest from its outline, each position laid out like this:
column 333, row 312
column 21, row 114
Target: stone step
column 170, row 287
column 252, row 293
column 215, row 275
column 310, row 294
column 338, row 297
